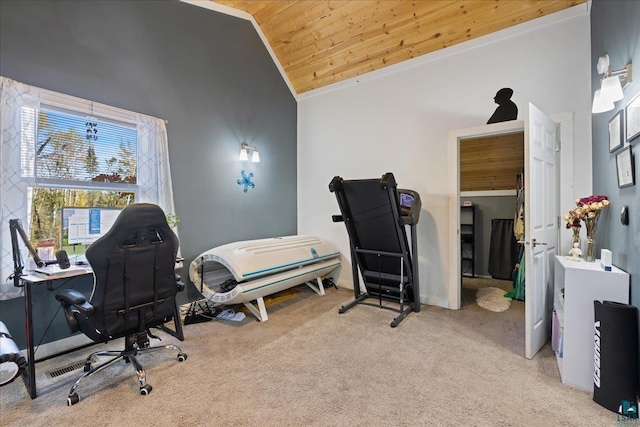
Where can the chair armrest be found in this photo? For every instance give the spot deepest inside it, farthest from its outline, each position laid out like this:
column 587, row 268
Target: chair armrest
column 69, row 298
column 75, row 298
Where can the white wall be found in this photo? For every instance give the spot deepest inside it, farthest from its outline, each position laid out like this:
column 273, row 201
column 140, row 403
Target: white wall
column 398, row 120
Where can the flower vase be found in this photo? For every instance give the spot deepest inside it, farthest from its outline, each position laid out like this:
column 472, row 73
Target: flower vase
column 589, row 253
column 576, row 237
column 590, row 250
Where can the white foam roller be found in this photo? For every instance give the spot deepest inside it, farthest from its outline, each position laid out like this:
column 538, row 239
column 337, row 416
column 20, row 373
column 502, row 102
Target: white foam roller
column 12, row 361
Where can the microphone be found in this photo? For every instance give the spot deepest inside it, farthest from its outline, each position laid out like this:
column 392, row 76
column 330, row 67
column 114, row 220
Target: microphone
column 62, row 259
column 15, row 227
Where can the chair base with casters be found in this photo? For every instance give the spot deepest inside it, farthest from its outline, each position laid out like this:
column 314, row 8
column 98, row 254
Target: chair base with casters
column 132, row 349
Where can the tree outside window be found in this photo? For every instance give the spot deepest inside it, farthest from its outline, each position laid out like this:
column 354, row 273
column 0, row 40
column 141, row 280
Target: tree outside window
column 79, row 162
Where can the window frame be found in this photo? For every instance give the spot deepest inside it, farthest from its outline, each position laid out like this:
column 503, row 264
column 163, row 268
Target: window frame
column 70, row 105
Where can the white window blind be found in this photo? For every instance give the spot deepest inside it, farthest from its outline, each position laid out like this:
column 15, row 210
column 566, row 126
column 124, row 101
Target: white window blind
column 78, row 150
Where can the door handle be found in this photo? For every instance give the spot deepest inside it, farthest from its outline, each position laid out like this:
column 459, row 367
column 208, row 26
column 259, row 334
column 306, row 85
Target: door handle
column 538, row 243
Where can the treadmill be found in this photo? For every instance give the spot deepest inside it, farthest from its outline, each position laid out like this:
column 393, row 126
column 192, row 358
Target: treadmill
column 376, row 214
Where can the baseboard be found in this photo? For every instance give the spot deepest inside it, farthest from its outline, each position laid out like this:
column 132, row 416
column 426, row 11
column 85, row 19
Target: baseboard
column 439, row 302
column 478, row 276
column 60, row 346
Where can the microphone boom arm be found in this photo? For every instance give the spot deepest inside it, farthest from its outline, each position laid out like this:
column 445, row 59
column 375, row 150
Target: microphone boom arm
column 15, row 229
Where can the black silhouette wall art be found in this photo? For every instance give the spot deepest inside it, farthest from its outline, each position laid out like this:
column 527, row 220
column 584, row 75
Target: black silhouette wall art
column 506, row 110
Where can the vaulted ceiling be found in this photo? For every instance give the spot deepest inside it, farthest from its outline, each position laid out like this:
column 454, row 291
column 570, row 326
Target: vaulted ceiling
column 326, row 41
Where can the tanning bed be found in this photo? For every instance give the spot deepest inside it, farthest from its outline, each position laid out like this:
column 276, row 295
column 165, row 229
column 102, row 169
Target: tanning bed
column 246, row 271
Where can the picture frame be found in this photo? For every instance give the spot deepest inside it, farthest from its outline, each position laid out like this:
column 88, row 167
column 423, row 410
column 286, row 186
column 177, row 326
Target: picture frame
column 616, row 131
column 625, row 167
column 632, row 118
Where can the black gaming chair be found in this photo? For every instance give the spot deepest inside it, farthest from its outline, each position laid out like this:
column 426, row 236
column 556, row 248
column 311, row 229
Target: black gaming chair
column 135, row 285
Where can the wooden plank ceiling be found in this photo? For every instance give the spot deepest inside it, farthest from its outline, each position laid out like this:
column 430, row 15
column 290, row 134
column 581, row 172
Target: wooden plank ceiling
column 491, row 162
column 323, row 42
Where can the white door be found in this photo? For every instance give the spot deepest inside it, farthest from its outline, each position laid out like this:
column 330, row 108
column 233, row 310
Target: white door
column 541, row 225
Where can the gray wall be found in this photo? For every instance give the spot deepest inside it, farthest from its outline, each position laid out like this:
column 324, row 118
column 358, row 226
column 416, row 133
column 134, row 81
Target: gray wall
column 488, row 208
column 207, row 73
column 615, row 30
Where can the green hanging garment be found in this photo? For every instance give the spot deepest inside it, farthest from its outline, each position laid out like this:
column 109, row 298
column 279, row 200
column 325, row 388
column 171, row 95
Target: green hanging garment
column 518, row 232
column 518, row 283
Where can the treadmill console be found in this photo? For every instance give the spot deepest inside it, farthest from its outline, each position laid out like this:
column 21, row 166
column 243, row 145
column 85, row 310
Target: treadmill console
column 410, row 206
column 406, row 200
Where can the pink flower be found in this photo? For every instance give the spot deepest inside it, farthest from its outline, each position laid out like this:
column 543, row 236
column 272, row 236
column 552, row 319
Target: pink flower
column 590, row 200
column 588, row 208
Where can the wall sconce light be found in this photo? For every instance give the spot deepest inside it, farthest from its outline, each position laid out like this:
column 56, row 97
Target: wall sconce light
column 611, row 85
column 244, row 153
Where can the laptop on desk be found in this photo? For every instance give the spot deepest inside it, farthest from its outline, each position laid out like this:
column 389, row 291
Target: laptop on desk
column 55, row 271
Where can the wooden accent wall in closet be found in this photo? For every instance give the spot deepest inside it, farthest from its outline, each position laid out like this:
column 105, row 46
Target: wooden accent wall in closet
column 491, row 162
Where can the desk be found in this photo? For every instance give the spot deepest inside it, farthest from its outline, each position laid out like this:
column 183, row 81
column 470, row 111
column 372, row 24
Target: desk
column 29, row 375
column 32, row 278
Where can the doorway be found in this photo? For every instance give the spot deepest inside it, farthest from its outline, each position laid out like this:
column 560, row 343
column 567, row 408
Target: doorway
column 455, row 249
column 491, row 173
column 544, row 136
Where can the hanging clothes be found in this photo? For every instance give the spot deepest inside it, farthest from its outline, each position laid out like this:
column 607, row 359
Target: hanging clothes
column 518, row 232
column 518, row 282
column 518, row 224
column 503, row 249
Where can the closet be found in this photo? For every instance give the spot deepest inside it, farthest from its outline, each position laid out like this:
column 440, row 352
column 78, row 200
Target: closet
column 547, row 150
column 490, row 171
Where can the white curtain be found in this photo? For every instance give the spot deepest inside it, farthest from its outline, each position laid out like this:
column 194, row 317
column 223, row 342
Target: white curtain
column 16, row 129
column 154, row 174
column 18, row 106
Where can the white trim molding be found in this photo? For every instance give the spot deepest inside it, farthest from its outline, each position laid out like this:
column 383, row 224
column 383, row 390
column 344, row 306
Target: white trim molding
column 488, row 193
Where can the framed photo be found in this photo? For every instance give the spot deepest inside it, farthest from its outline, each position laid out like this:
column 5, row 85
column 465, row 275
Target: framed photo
column 625, row 167
column 633, row 118
column 616, row 131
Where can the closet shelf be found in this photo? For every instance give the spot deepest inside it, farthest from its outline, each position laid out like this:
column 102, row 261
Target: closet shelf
column 468, row 240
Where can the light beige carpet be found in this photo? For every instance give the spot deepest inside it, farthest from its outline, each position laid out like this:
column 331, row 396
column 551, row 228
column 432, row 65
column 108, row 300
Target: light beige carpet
column 310, row 366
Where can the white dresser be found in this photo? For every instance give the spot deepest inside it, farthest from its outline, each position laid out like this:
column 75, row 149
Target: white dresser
column 583, row 282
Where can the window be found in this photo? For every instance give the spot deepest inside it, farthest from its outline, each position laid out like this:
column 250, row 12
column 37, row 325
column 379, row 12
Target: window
column 75, row 160
column 61, row 151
